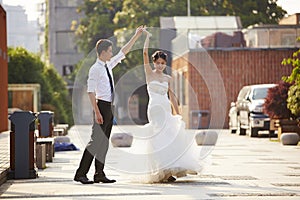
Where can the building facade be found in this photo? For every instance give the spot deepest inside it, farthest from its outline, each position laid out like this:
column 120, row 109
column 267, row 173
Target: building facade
column 3, row 72
column 209, row 77
column 206, row 82
column 291, row 20
column 62, row 48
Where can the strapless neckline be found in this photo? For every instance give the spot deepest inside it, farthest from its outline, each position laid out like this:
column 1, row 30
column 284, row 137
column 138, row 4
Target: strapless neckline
column 158, row 81
column 157, row 87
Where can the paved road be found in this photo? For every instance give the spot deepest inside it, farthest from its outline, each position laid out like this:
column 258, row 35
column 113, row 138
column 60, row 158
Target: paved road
column 241, row 168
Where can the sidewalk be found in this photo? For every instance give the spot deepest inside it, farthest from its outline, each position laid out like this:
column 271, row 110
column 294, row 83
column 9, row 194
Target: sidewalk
column 242, row 168
column 4, row 155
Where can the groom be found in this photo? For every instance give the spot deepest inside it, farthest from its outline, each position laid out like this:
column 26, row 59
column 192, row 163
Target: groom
column 100, row 91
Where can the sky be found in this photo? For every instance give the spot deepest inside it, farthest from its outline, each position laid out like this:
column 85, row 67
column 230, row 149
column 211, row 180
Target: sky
column 29, row 7
column 291, row 6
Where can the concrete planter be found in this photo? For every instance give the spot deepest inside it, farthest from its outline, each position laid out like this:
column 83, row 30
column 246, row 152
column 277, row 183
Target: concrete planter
column 121, row 140
column 206, row 137
column 287, row 126
column 289, row 138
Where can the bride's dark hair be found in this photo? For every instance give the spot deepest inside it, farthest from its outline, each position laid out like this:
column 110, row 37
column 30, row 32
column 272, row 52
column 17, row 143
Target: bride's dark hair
column 159, row 54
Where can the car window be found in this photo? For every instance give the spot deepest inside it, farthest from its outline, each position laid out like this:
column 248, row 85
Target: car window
column 260, row 93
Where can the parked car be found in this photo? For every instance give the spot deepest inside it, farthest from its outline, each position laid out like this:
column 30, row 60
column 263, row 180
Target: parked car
column 247, row 112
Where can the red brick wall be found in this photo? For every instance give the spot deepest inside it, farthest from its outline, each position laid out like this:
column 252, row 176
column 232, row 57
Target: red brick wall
column 236, row 68
column 3, row 72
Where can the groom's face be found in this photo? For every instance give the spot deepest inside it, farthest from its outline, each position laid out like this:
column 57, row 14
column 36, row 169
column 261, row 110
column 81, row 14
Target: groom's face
column 107, row 54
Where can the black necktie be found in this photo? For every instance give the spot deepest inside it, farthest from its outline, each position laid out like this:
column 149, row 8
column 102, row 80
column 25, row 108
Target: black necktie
column 110, row 81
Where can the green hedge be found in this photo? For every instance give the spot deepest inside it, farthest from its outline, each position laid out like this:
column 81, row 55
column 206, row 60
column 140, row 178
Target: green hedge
column 25, row 67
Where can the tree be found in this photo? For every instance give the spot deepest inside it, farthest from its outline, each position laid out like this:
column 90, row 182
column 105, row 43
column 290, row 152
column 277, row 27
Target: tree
column 25, row 67
column 293, row 99
column 59, row 96
column 148, row 12
column 97, row 23
column 257, row 12
column 275, row 104
column 104, row 18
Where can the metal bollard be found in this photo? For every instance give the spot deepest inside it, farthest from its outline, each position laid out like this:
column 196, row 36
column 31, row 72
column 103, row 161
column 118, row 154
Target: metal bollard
column 45, row 123
column 22, row 164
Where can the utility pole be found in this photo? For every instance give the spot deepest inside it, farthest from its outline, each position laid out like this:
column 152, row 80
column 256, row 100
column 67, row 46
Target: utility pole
column 188, row 8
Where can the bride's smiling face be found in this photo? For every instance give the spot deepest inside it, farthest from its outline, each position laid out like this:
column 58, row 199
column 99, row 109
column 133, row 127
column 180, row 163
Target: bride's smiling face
column 160, row 64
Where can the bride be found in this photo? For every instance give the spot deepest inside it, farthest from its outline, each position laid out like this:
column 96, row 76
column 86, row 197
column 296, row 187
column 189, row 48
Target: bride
column 162, row 150
column 168, row 151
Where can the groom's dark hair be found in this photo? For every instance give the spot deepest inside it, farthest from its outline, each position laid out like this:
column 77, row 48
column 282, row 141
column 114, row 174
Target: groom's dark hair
column 102, row 45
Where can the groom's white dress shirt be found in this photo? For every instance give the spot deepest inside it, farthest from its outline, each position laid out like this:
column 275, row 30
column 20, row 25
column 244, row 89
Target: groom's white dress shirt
column 98, row 80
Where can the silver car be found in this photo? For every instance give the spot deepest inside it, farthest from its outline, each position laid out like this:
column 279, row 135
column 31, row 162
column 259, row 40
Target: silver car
column 247, row 112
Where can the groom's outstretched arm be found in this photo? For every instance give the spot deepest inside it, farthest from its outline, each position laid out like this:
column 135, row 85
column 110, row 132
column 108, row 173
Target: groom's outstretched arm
column 126, row 48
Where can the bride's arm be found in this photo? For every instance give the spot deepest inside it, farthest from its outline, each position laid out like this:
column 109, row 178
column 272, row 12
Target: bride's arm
column 147, row 67
column 174, row 101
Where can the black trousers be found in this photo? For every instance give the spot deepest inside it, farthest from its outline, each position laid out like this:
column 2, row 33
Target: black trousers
column 98, row 144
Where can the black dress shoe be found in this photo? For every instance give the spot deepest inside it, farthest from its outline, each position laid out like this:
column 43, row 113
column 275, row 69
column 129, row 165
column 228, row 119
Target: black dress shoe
column 103, row 179
column 171, row 179
column 83, row 180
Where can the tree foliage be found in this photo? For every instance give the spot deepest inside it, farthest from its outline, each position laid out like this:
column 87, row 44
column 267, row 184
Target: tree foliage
column 103, row 17
column 293, row 100
column 276, row 101
column 97, row 23
column 284, row 100
column 25, row 67
column 148, row 12
column 251, row 12
column 107, row 18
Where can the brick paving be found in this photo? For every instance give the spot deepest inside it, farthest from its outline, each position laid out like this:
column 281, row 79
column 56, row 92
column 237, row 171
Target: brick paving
column 4, row 155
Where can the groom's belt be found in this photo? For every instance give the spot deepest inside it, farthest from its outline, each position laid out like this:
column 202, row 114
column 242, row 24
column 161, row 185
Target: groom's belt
column 104, row 102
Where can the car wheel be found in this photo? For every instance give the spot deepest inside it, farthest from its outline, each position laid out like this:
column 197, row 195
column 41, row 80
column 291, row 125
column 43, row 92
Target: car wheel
column 253, row 132
column 272, row 133
column 242, row 131
column 233, row 131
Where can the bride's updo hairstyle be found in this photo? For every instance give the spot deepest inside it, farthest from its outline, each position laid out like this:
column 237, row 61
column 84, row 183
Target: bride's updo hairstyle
column 159, row 54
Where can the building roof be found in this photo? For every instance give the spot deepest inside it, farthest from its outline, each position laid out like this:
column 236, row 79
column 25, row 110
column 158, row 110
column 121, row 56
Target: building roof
column 291, row 19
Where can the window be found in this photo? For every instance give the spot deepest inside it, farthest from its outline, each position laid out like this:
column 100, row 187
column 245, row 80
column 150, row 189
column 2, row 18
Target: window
column 67, row 3
column 65, row 42
column 243, row 93
column 260, row 93
column 288, row 39
column 67, row 69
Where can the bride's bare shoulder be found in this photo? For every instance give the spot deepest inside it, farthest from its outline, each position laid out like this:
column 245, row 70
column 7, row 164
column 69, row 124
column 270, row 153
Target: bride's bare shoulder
column 168, row 77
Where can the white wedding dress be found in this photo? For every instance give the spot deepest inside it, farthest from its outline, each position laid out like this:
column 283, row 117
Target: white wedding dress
column 162, row 148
